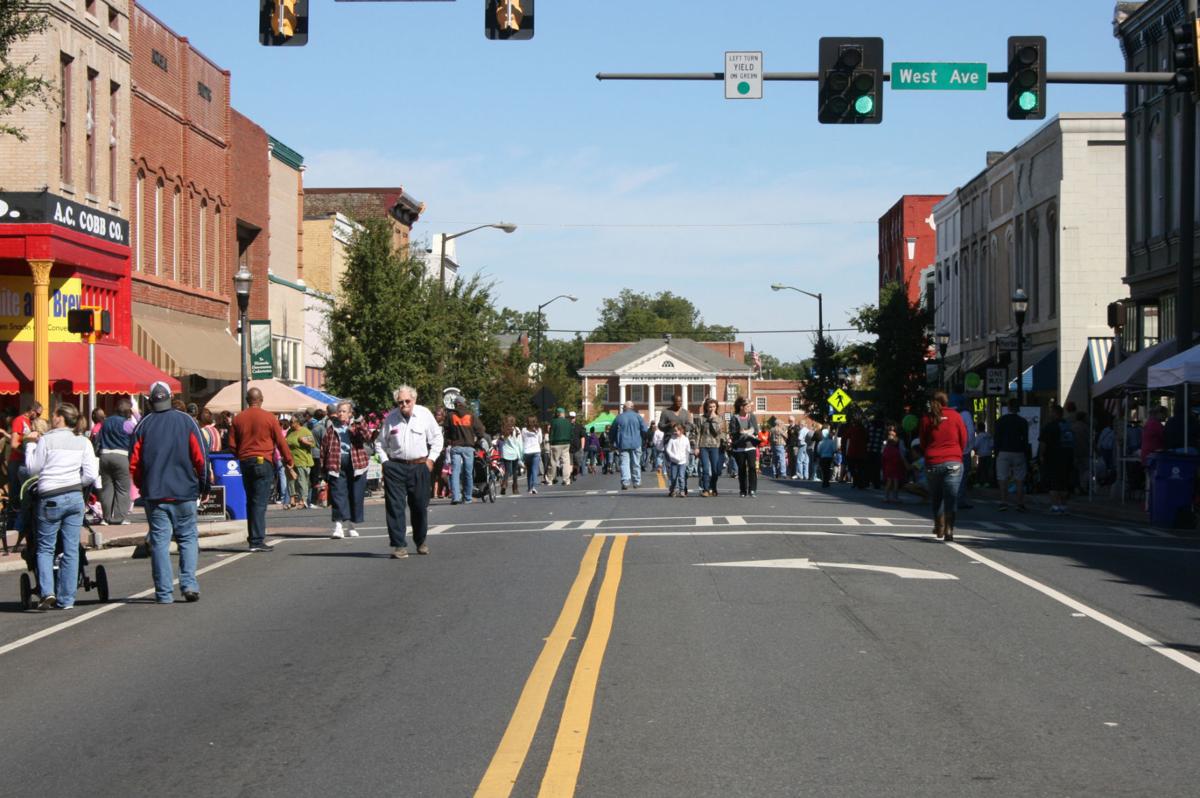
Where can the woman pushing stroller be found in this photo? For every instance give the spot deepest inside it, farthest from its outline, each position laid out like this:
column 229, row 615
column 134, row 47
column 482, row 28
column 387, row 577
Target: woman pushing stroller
column 65, row 464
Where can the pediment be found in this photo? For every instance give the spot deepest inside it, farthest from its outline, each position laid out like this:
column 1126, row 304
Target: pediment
column 665, row 361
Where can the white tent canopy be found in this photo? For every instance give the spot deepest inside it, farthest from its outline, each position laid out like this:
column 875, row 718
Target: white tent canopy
column 277, row 398
column 1181, row 369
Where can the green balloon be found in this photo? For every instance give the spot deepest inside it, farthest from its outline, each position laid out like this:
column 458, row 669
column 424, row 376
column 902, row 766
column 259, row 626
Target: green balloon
column 909, row 423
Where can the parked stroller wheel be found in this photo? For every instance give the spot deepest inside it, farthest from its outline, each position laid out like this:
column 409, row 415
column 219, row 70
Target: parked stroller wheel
column 102, row 583
column 26, row 592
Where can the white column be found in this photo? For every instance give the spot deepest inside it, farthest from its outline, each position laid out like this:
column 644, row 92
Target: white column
column 621, row 392
column 650, row 401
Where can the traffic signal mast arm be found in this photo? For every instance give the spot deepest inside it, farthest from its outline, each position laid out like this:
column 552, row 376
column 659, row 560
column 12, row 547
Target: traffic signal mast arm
column 1099, row 78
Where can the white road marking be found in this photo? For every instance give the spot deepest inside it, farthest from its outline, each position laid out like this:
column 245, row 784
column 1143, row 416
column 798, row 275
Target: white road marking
column 439, row 529
column 590, row 524
column 880, row 521
column 592, row 493
column 849, row 521
column 555, row 525
column 735, row 520
column 610, row 492
column 803, row 563
column 991, row 527
column 115, row 605
column 1124, row 530
column 704, row 520
column 785, row 493
column 1175, row 656
column 1158, row 533
column 1022, row 527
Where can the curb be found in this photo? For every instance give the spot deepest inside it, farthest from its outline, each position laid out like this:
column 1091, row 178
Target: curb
column 212, row 536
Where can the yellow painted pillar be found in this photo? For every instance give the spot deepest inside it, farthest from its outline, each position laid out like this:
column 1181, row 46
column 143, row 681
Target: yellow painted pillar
column 41, row 333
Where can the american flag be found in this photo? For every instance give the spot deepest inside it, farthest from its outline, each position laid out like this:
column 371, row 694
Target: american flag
column 756, row 359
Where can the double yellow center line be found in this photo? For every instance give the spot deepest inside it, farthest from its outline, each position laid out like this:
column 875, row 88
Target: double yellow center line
column 562, row 772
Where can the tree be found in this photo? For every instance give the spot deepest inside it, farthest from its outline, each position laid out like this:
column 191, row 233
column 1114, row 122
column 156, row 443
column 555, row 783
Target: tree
column 392, row 325
column 631, row 316
column 20, row 88
column 821, row 380
column 775, row 369
column 899, row 350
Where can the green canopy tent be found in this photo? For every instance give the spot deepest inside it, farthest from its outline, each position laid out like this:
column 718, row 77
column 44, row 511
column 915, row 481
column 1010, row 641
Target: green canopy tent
column 601, row 422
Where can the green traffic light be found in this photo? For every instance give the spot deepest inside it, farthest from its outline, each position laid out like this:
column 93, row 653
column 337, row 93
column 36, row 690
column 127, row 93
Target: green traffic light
column 1028, row 100
column 864, row 105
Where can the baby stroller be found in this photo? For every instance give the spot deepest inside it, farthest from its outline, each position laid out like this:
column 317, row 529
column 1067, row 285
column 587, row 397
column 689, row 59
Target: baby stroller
column 488, row 472
column 30, row 589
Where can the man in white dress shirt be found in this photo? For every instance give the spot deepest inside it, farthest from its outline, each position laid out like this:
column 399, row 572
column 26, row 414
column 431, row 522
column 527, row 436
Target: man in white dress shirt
column 408, row 444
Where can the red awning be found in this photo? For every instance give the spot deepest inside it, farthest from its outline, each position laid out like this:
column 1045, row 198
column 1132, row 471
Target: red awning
column 118, row 370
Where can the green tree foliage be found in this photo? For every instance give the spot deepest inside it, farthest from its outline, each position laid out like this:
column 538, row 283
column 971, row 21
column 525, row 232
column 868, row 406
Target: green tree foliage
column 20, row 88
column 632, row 316
column 898, row 352
column 391, row 325
column 775, row 369
column 821, row 380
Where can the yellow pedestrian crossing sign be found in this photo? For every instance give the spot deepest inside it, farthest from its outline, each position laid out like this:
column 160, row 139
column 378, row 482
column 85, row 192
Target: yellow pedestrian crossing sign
column 838, row 418
column 839, row 400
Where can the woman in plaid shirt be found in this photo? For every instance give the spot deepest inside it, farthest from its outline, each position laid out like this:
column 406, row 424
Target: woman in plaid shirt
column 345, row 458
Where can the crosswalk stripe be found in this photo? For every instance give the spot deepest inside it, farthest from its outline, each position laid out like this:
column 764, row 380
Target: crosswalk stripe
column 880, row 521
column 556, row 525
column 990, row 527
column 592, row 492
column 704, row 520
column 735, row 520
column 1158, row 533
column 590, row 524
column 1022, row 527
column 1124, row 530
column 439, row 529
column 849, row 521
column 785, row 493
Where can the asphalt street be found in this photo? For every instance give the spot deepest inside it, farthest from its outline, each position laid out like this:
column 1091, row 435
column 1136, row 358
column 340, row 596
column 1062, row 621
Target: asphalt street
column 594, row 642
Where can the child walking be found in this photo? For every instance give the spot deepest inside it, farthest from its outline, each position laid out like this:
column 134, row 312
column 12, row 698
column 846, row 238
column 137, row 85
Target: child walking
column 894, row 467
column 678, row 449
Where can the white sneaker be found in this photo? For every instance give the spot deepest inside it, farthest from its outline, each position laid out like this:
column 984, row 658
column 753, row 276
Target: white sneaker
column 337, row 531
column 352, row 532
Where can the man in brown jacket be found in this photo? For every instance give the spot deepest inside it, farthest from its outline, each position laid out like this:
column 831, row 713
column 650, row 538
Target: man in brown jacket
column 254, row 437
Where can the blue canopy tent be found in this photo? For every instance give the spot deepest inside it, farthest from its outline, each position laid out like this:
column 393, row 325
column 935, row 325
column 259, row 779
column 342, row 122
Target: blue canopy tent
column 320, row 396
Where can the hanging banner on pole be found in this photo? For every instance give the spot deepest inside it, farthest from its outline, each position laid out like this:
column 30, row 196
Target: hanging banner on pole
column 262, row 364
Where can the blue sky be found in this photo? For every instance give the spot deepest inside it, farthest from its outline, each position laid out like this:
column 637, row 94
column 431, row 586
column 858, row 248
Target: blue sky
column 650, row 186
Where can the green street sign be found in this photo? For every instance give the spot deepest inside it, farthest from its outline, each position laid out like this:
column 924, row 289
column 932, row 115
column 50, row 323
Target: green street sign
column 939, row 76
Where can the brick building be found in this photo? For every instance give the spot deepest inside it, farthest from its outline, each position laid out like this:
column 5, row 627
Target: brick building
column 185, row 241
column 326, row 239
column 360, row 204
column 908, row 242
column 64, row 206
column 651, row 372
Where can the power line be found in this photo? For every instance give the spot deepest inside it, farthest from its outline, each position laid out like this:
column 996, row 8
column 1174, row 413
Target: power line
column 658, row 333
column 673, row 225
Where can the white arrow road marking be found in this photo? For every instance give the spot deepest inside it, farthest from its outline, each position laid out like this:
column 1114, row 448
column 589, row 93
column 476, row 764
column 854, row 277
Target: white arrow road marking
column 805, row 564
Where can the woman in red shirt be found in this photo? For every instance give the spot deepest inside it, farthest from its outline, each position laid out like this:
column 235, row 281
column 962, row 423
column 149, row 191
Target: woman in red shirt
column 943, row 440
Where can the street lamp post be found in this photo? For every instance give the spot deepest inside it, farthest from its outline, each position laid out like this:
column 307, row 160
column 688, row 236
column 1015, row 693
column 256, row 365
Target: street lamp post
column 943, row 343
column 1020, row 304
column 505, row 226
column 241, row 287
column 537, row 346
column 819, row 354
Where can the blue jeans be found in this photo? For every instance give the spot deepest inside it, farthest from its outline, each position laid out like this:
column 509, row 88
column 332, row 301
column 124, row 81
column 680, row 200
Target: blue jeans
column 533, row 464
column 779, row 455
column 59, row 515
column 944, row 481
column 710, row 467
column 167, row 519
column 256, row 479
column 346, row 495
column 462, row 458
column 802, row 463
column 631, row 466
column 679, row 477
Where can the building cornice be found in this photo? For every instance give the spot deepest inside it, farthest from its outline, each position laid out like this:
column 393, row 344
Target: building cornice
column 282, row 152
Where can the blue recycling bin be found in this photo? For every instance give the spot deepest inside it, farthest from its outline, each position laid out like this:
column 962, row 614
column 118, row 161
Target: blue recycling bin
column 1174, row 485
column 227, row 472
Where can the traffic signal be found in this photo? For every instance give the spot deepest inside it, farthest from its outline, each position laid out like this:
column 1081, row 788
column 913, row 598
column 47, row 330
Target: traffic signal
column 1027, row 77
column 283, row 23
column 508, row 19
column 1184, row 37
column 850, row 81
column 89, row 321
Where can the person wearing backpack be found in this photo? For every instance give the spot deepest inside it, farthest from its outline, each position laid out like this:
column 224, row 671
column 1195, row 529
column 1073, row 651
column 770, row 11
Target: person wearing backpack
column 1057, row 452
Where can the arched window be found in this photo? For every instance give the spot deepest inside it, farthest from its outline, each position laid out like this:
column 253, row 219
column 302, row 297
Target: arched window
column 139, row 219
column 158, row 212
column 202, row 239
column 175, row 235
column 1035, row 281
column 219, row 235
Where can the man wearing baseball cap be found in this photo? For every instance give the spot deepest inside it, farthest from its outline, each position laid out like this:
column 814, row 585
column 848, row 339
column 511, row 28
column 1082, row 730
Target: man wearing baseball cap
column 578, row 442
column 169, row 465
